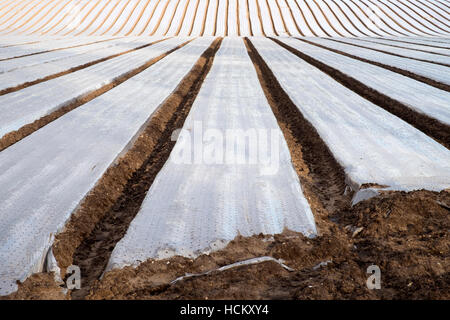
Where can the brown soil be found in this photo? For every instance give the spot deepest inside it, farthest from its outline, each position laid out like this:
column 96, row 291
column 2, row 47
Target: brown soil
column 19, row 44
column 293, row 19
column 337, row 19
column 321, row 177
column 63, row 48
column 430, row 126
column 204, row 18
column 71, row 70
column 406, row 48
column 405, row 73
column 15, row 136
column 405, row 234
column 260, row 19
column 193, row 20
column 317, row 21
column 419, row 44
column 107, row 211
column 249, row 19
column 271, row 19
column 40, row 286
column 215, row 18
column 392, row 53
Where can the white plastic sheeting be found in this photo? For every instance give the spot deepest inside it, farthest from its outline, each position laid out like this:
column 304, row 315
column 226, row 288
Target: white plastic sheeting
column 27, row 105
column 334, row 18
column 404, row 89
column 53, row 56
column 425, row 69
column 193, row 208
column 400, row 51
column 40, row 190
column 23, row 74
column 372, row 145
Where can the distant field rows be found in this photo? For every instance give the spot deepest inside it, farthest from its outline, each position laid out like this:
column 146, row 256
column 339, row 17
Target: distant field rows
column 331, row 18
column 88, row 104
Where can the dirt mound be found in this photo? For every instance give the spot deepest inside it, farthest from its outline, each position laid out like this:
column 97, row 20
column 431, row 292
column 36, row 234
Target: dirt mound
column 405, row 234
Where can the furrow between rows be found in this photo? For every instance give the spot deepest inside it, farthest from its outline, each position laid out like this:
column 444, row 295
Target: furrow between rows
column 430, row 126
column 107, row 211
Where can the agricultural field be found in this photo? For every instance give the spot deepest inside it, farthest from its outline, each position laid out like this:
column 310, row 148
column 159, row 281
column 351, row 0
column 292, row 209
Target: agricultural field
column 224, row 149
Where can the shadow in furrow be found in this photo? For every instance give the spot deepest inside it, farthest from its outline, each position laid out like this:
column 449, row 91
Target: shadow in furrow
column 105, row 215
column 409, row 74
column 390, row 53
column 430, row 126
column 15, row 136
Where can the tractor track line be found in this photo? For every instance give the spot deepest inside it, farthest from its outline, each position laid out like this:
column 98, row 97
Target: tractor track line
column 7, row 4
column 54, row 25
column 106, row 212
column 441, row 3
column 390, row 53
column 435, row 129
column 15, row 136
column 323, row 180
column 434, row 40
column 58, row 49
column 417, row 77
